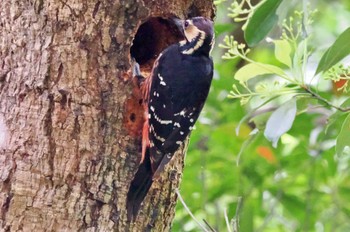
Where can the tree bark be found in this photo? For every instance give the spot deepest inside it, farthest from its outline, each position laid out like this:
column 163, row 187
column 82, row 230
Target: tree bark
column 70, row 115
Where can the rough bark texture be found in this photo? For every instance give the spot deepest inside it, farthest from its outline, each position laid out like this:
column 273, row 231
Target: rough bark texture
column 70, row 118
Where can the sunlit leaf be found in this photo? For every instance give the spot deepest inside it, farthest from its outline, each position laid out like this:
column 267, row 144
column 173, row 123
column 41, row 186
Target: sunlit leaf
column 335, row 53
column 343, row 140
column 261, row 22
column 280, row 121
column 289, row 143
column 283, row 51
column 298, row 58
column 255, row 69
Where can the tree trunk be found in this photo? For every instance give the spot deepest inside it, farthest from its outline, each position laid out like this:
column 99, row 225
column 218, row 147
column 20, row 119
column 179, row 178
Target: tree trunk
column 70, row 115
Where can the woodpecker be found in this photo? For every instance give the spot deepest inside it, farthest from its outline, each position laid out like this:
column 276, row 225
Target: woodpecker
column 174, row 95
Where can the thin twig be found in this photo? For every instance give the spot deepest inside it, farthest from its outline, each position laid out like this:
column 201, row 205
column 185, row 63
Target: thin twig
column 209, row 226
column 235, row 220
column 227, row 221
column 189, row 211
column 271, row 213
column 244, row 146
column 318, row 97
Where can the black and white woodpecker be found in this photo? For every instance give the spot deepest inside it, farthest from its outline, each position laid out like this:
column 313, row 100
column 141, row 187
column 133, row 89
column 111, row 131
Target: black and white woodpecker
column 174, row 95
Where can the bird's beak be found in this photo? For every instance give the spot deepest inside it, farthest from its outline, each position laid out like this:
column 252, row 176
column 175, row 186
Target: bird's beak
column 179, row 24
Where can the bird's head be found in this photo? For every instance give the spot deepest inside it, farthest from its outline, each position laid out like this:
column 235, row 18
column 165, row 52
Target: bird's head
column 198, row 32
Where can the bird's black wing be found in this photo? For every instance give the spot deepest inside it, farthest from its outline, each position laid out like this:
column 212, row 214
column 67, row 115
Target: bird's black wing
column 182, row 91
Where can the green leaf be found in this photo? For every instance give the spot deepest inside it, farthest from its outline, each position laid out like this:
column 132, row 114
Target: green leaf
column 303, row 103
column 294, row 205
column 223, row 27
column 255, row 69
column 343, row 140
column 247, row 215
column 261, row 22
column 298, row 59
column 283, row 51
column 251, row 115
column 335, row 53
column 337, row 115
column 280, row 121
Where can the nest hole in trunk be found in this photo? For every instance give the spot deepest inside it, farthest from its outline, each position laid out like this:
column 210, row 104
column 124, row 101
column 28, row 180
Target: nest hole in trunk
column 152, row 37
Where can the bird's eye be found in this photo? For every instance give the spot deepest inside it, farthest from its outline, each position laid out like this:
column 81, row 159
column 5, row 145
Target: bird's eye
column 186, row 24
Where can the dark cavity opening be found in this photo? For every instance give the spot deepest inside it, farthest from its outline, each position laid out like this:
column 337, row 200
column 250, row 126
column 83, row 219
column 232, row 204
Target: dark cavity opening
column 151, row 39
column 132, row 117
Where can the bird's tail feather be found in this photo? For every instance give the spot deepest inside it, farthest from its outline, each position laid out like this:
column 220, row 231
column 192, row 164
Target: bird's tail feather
column 139, row 187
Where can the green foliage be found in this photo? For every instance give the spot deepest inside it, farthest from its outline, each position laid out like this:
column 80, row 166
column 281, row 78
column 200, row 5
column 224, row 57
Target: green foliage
column 262, row 21
column 343, row 141
column 271, row 153
column 336, row 52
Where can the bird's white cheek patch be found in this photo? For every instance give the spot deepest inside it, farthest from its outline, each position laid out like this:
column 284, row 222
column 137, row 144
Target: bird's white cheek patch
column 3, row 133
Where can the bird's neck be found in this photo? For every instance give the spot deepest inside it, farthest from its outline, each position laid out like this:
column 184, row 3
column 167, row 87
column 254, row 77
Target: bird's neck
column 199, row 45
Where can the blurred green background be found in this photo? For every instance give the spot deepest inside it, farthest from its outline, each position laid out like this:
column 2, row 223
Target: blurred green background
column 300, row 185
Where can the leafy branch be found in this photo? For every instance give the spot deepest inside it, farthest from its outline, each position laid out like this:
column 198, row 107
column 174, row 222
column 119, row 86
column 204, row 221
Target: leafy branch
column 318, row 97
column 289, row 36
column 267, row 81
